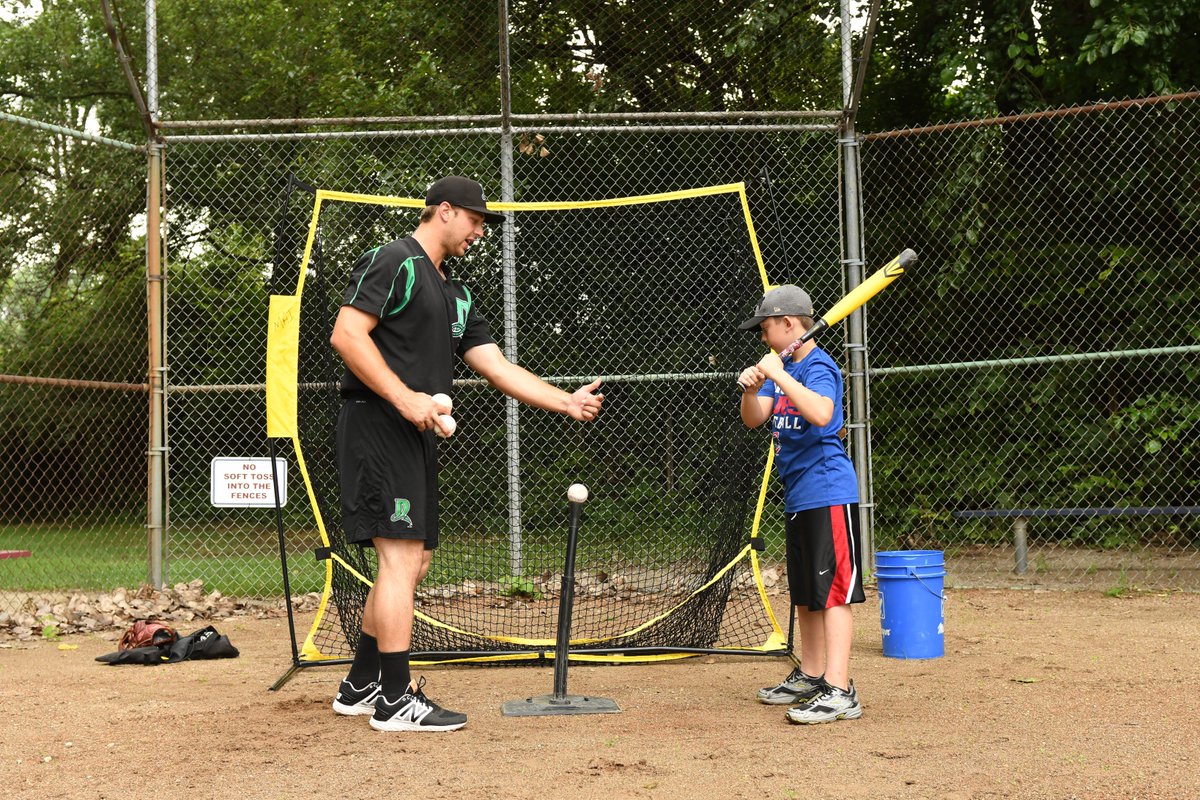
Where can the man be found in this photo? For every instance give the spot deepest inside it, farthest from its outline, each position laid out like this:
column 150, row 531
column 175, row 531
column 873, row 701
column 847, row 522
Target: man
column 401, row 323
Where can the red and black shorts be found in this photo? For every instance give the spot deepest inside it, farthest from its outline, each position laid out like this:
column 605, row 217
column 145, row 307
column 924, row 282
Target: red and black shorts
column 824, row 562
column 388, row 474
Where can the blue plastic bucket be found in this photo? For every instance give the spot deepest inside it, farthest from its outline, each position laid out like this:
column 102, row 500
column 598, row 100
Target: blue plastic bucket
column 911, row 602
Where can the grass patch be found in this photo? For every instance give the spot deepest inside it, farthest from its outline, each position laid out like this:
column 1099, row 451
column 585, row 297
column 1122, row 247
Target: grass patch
column 104, row 558
column 248, row 575
column 243, row 561
column 97, row 558
column 1122, row 586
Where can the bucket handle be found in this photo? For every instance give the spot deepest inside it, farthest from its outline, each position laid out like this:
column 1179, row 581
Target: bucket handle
column 912, row 573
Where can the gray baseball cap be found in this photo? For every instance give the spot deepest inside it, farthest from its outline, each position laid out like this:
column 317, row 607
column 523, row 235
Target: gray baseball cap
column 787, row 300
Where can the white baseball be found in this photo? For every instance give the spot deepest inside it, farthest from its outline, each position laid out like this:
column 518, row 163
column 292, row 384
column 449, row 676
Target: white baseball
column 449, row 424
column 578, row 493
column 443, row 400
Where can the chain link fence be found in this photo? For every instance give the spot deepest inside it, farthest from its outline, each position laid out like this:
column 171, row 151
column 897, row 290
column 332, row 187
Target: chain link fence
column 74, row 324
column 600, row 57
column 73, row 391
column 647, row 295
column 1036, row 409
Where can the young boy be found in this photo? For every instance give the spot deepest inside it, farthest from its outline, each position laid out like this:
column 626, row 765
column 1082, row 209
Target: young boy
column 803, row 400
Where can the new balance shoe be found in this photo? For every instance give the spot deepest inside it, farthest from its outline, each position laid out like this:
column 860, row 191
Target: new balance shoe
column 796, row 688
column 353, row 701
column 830, row 705
column 414, row 712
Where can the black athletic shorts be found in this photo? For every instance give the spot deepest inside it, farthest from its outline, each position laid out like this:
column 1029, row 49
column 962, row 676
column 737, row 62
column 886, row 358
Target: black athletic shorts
column 388, row 473
column 824, row 564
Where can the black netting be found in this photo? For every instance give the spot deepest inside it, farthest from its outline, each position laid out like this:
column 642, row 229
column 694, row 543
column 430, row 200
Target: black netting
column 648, row 296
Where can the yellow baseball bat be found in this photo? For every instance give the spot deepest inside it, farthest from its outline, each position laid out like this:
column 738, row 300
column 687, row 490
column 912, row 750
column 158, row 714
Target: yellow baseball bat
column 858, row 295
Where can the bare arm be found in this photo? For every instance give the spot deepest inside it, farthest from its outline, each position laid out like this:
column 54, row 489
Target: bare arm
column 521, row 384
column 755, row 410
column 816, row 408
column 351, row 339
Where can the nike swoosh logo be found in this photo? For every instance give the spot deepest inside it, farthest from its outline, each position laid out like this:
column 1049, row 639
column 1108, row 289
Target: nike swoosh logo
column 822, row 572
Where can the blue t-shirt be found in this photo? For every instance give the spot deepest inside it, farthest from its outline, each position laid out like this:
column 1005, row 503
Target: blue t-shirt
column 811, row 461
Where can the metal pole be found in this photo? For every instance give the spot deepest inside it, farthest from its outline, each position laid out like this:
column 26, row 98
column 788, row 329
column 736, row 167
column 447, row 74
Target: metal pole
column 1021, row 544
column 856, row 329
column 155, row 376
column 155, row 318
column 508, row 246
column 152, row 60
column 460, row 119
column 847, row 57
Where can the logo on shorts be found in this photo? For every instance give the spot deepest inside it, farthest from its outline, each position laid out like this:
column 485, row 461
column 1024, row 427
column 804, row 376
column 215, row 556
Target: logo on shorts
column 401, row 512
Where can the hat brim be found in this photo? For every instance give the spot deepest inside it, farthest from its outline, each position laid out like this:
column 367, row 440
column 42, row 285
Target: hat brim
column 488, row 216
column 751, row 323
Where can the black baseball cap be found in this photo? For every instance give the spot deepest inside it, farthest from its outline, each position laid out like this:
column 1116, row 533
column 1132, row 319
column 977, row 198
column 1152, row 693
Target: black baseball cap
column 787, row 300
column 462, row 192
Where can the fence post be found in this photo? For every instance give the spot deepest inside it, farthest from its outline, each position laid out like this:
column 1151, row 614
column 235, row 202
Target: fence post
column 509, row 259
column 856, row 334
column 156, row 489
column 1021, row 544
column 156, row 453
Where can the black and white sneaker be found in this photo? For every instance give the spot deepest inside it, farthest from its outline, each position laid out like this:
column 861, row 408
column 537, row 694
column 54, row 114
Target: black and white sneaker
column 414, row 712
column 830, row 705
column 796, row 688
column 353, row 701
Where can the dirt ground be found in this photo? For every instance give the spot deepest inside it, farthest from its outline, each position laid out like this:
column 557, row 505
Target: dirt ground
column 1039, row 695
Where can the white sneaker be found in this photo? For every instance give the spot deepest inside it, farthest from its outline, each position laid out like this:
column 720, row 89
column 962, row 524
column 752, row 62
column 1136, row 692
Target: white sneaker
column 414, row 712
column 796, row 688
column 830, row 705
column 353, row 701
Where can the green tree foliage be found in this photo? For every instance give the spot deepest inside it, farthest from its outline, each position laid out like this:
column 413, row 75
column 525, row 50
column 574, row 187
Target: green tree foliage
column 1041, row 238
column 71, row 233
column 249, row 59
column 1044, row 237
column 65, row 196
column 670, row 55
column 937, row 60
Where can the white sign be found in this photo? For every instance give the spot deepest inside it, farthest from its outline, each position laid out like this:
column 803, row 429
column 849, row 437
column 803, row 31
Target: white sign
column 247, row 483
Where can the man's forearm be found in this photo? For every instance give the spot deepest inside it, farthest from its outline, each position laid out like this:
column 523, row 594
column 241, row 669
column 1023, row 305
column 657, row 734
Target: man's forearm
column 365, row 361
column 521, row 384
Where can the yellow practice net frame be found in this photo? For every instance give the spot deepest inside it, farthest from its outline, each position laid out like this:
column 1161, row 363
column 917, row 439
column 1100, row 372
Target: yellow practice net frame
column 281, row 402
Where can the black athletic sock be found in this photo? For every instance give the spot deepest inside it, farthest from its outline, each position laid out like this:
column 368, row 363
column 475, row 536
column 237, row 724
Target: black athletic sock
column 394, row 675
column 365, row 668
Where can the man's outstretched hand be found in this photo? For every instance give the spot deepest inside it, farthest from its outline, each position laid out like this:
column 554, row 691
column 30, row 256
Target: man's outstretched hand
column 585, row 403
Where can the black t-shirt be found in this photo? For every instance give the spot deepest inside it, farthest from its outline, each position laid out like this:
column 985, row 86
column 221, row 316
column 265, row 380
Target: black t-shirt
column 423, row 320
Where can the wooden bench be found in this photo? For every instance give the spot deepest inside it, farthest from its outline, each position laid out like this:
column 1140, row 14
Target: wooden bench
column 1021, row 517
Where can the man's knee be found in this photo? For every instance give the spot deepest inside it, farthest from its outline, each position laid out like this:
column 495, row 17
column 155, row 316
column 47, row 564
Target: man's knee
column 401, row 559
column 426, row 560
